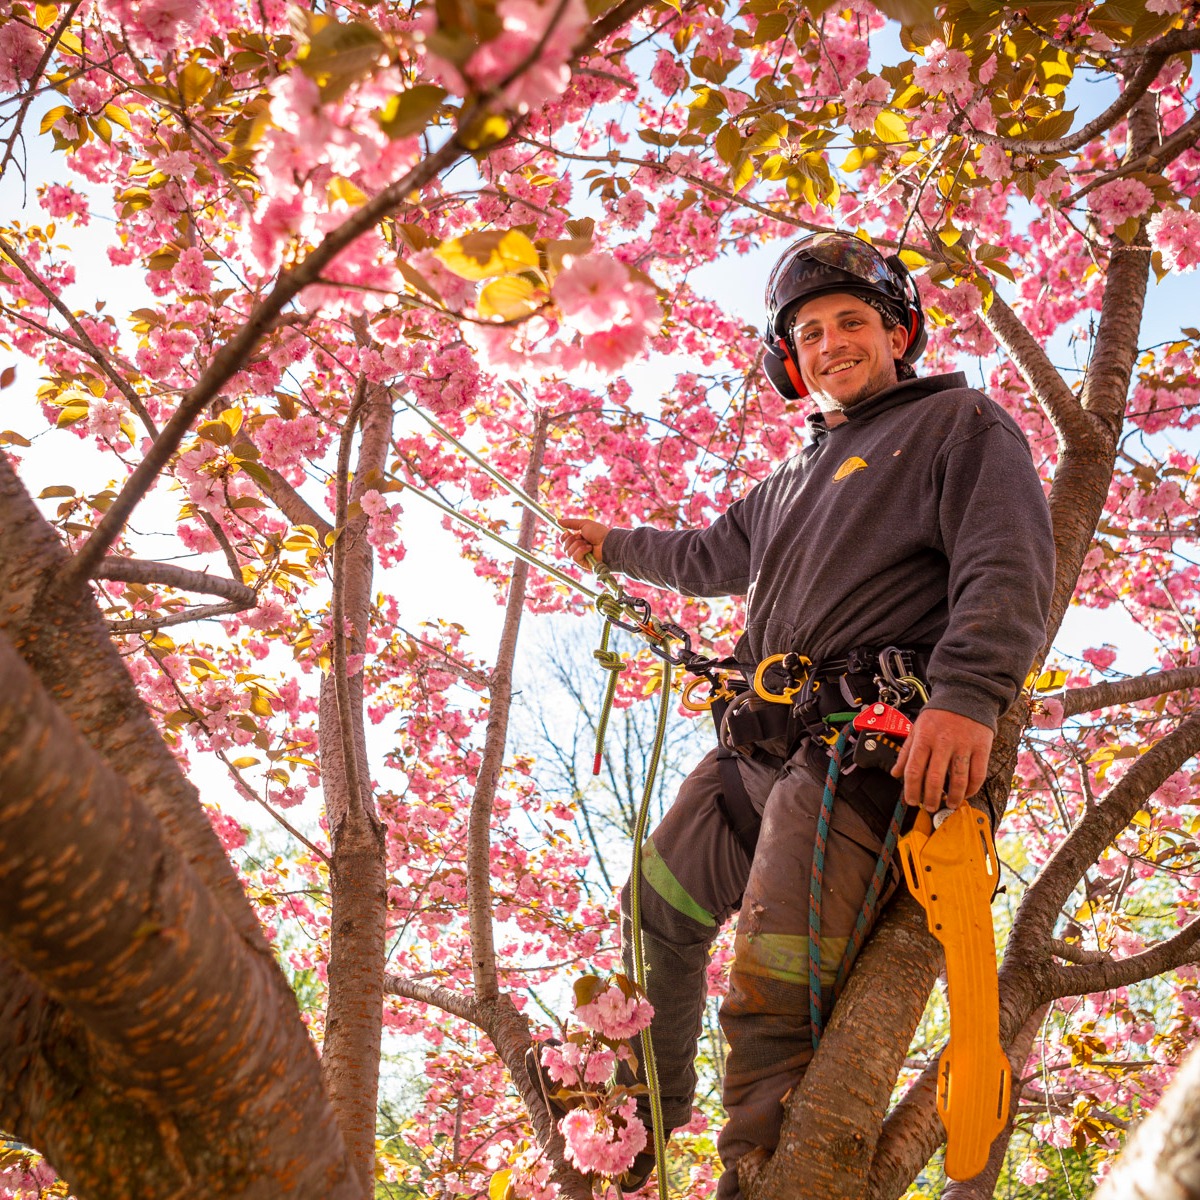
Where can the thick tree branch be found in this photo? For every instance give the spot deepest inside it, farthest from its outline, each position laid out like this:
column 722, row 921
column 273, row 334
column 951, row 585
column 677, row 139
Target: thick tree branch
column 293, row 505
column 1060, row 404
column 454, row 1003
column 137, row 570
column 1183, row 139
column 479, row 827
column 337, row 616
column 128, row 945
column 1152, row 59
column 1127, row 691
column 1106, row 385
column 1072, row 953
column 84, row 338
column 1101, row 976
column 1045, row 897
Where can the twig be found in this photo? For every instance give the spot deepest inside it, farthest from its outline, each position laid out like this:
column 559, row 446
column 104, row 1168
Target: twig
column 87, row 344
column 202, row 612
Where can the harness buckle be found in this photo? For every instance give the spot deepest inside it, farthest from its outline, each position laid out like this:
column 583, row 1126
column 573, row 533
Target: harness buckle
column 793, row 663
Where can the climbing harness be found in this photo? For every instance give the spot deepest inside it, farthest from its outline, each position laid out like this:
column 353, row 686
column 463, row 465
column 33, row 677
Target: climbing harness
column 952, row 870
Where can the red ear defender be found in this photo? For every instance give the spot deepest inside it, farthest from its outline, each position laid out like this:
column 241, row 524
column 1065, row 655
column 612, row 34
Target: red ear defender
column 793, row 371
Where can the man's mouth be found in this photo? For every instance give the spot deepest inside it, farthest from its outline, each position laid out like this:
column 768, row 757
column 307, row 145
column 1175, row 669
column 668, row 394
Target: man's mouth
column 839, row 368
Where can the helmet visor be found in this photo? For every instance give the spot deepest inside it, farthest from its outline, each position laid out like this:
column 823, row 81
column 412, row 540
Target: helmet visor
column 843, row 252
column 852, row 255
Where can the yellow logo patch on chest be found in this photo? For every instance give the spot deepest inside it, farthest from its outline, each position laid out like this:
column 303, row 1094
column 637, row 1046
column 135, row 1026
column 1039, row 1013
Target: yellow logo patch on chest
column 849, row 467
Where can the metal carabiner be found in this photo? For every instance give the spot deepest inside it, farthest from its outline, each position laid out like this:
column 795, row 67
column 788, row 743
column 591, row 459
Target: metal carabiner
column 784, row 697
column 895, row 685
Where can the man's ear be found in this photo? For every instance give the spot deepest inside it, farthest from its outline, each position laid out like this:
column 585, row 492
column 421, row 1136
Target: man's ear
column 898, row 337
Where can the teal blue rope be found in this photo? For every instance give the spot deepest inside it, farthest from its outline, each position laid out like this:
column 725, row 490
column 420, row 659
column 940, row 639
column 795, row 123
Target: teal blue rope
column 815, row 886
column 870, row 904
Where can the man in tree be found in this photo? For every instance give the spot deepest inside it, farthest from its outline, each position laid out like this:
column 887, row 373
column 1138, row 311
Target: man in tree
column 910, row 537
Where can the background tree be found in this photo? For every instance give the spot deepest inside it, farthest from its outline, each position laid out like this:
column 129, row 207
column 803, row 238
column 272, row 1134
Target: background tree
column 339, row 213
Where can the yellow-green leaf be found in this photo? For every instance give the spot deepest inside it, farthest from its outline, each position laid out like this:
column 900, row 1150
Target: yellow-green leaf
column 728, row 143
column 509, row 298
column 891, row 127
column 909, row 12
column 1050, row 681
column 347, row 192
column 484, row 131
column 339, row 54
column 501, row 1186
column 409, row 112
column 242, row 763
column 487, row 254
column 194, row 83
column 50, row 117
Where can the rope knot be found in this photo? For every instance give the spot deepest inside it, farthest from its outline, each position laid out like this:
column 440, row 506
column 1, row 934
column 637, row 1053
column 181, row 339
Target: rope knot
column 609, row 606
column 610, row 660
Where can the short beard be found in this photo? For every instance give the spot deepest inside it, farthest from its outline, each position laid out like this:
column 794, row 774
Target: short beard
column 885, row 378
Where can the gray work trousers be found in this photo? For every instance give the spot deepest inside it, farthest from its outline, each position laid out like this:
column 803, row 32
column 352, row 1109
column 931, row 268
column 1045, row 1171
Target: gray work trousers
column 695, row 875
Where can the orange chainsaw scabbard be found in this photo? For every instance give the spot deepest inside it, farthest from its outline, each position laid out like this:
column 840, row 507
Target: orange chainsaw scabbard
column 952, row 871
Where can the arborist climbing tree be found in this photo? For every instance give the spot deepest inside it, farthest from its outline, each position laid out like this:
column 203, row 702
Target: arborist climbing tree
column 897, row 573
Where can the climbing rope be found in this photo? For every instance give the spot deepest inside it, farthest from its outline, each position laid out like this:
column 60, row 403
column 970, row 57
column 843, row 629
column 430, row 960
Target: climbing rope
column 869, row 910
column 815, row 885
column 649, row 1062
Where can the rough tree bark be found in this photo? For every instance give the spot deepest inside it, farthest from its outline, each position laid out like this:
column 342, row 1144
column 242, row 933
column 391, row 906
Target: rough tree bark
column 358, row 862
column 159, row 1042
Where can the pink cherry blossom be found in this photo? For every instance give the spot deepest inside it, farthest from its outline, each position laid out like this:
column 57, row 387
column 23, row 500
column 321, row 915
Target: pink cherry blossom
column 1121, row 199
column 614, row 1015
column 863, row 100
column 20, row 52
column 1175, row 234
column 947, row 71
column 603, row 1142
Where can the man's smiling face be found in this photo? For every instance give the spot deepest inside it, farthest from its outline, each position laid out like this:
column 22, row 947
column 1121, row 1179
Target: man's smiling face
column 844, row 351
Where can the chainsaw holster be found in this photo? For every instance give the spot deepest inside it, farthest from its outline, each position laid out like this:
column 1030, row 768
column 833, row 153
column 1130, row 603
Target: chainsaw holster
column 953, row 871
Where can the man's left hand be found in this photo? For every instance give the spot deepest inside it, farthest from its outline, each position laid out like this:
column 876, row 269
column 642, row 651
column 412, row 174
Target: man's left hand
column 944, row 759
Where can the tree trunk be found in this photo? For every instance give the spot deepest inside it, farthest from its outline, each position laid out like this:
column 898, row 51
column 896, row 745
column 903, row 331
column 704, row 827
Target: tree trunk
column 177, row 1032
column 1161, row 1160
column 358, row 866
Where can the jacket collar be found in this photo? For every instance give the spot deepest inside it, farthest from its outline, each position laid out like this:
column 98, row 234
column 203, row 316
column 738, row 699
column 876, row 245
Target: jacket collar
column 904, row 392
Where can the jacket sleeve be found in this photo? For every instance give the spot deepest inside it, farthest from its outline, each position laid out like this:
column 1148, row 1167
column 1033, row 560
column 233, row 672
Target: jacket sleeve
column 996, row 533
column 714, row 561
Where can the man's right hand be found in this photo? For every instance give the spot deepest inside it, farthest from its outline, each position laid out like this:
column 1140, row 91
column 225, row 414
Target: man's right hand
column 582, row 537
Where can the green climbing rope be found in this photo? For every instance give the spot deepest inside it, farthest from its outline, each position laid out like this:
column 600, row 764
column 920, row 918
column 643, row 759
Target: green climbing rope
column 635, row 916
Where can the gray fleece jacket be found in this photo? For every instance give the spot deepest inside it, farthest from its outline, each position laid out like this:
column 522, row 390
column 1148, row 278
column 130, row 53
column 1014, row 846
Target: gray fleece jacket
column 920, row 521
